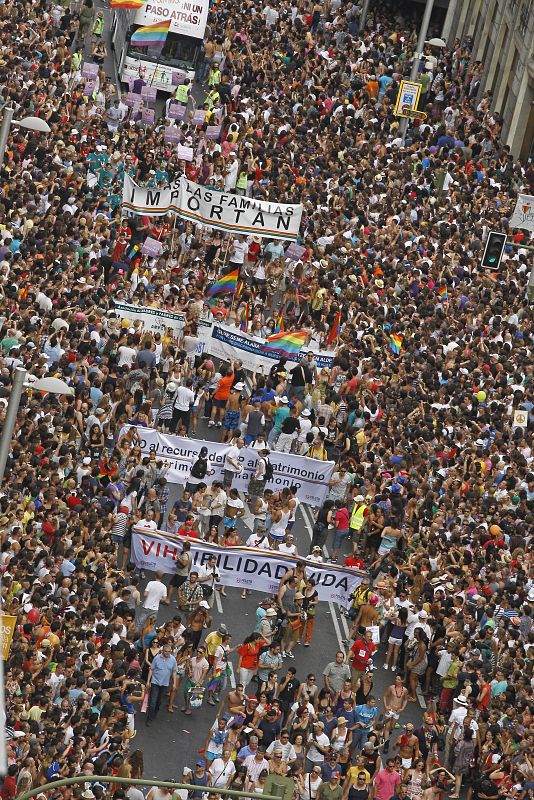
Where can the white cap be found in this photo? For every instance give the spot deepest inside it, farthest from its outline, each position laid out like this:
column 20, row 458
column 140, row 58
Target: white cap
column 284, row 399
column 422, row 614
column 203, row 604
column 305, row 412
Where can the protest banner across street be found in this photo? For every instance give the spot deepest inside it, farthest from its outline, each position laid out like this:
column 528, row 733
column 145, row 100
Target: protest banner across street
column 309, row 475
column 229, row 344
column 153, row 319
column 243, row 567
column 220, row 210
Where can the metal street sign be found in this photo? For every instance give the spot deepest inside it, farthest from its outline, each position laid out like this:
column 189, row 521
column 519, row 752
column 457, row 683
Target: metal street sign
column 407, row 98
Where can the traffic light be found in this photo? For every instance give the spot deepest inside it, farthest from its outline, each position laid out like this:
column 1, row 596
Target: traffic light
column 493, row 250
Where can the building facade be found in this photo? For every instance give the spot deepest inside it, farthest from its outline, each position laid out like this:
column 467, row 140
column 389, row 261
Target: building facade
column 503, row 41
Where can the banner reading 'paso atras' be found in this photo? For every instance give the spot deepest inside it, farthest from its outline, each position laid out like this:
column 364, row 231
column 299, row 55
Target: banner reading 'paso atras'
column 221, row 210
column 244, row 567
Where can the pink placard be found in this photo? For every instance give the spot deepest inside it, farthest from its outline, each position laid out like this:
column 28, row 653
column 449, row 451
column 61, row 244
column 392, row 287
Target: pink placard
column 89, row 70
column 185, row 153
column 148, row 94
column 151, row 247
column 148, row 116
column 199, row 117
column 176, row 111
column 213, row 131
column 171, row 135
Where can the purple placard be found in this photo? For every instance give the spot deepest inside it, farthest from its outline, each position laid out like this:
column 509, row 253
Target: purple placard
column 132, row 100
column 199, row 117
column 295, row 251
column 171, row 135
column 148, row 94
column 89, row 88
column 213, row 131
column 151, row 247
column 89, row 70
column 176, row 111
column 178, row 77
column 185, row 153
column 148, row 116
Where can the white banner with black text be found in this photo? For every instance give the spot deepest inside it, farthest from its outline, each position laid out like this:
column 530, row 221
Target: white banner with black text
column 243, row 567
column 223, row 211
column 178, row 454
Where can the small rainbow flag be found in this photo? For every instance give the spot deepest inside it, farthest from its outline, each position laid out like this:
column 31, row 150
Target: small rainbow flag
column 151, row 35
column 226, row 284
column 243, row 325
column 442, row 292
column 127, row 3
column 286, row 344
column 395, row 343
column 279, row 324
column 334, row 331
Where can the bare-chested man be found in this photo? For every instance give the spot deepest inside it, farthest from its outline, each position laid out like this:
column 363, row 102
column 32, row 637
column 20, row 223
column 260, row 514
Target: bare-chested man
column 408, row 746
column 395, row 700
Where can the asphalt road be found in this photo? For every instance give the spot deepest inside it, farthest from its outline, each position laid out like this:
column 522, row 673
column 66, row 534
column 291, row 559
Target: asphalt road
column 173, row 740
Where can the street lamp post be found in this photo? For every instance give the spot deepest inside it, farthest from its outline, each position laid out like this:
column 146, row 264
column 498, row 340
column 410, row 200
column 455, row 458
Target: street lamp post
column 423, row 32
column 53, row 386
column 31, row 123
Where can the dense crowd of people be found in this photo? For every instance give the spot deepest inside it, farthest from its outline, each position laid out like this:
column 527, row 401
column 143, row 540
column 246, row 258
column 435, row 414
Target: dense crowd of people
column 432, row 493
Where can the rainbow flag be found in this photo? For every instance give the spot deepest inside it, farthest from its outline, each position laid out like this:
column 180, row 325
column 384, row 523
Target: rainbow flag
column 442, row 292
column 227, row 284
column 334, row 331
column 243, row 325
column 279, row 324
column 151, row 35
column 285, row 344
column 395, row 343
column 127, row 3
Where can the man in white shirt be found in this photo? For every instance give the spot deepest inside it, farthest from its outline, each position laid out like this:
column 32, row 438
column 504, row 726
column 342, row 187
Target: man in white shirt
column 232, row 465
column 319, row 746
column 155, row 593
column 288, row 546
column 183, row 400
column 222, row 770
column 418, row 620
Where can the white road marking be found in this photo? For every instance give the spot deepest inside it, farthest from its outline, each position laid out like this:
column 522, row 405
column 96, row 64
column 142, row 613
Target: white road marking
column 218, row 601
column 308, row 523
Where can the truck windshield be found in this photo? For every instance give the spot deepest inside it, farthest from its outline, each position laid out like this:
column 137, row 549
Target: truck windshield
column 178, row 51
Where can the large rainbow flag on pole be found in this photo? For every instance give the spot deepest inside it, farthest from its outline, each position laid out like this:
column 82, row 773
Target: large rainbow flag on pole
column 151, row 35
column 127, row 3
column 227, row 284
column 286, row 344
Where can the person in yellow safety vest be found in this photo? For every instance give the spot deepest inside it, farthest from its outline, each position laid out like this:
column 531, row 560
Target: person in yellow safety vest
column 98, row 27
column 359, row 514
column 214, row 77
column 241, row 183
column 212, row 97
column 76, row 61
column 182, row 92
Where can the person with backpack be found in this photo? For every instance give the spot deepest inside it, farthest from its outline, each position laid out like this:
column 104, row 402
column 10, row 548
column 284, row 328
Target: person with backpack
column 199, row 470
column 264, row 474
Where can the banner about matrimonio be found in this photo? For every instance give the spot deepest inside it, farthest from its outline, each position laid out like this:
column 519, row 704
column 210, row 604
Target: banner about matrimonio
column 243, row 567
column 178, row 454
